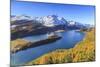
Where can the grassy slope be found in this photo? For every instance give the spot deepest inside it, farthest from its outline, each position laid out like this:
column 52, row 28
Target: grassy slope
column 18, row 43
column 83, row 51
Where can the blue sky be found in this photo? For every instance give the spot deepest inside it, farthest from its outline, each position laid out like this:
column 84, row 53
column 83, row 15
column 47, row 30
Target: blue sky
column 80, row 13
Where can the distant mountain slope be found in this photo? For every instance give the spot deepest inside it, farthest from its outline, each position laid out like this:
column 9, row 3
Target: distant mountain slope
column 48, row 21
column 26, row 25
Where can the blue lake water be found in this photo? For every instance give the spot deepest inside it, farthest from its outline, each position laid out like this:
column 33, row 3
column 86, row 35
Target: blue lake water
column 68, row 40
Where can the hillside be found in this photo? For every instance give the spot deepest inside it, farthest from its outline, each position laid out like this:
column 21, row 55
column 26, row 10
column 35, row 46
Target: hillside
column 82, row 52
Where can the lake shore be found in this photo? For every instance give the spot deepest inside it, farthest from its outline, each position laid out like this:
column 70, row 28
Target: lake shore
column 82, row 52
column 20, row 44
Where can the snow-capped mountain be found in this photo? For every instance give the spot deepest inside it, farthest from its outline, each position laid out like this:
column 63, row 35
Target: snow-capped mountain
column 49, row 21
column 53, row 20
column 21, row 17
column 73, row 23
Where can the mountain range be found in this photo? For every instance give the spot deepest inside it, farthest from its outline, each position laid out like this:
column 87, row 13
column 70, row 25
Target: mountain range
column 26, row 25
column 48, row 21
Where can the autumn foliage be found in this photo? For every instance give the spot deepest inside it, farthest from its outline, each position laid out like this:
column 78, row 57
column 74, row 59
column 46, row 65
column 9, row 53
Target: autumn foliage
column 84, row 51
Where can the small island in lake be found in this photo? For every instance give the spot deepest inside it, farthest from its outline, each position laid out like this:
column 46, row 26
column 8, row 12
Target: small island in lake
column 21, row 44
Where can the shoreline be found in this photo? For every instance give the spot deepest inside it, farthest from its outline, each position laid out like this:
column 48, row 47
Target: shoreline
column 27, row 45
column 69, row 55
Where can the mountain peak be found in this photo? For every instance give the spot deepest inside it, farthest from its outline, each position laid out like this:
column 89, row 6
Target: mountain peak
column 52, row 20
